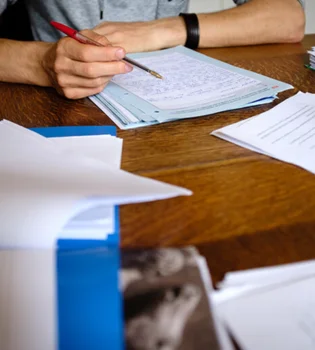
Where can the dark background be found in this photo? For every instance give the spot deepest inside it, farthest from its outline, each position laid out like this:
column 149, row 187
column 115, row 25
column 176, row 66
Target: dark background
column 14, row 23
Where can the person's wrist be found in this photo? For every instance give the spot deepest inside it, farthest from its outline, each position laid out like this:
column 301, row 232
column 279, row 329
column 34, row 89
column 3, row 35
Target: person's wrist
column 42, row 52
column 170, row 32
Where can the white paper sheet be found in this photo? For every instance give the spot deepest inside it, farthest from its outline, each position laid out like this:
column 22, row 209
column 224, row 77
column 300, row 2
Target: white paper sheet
column 106, row 148
column 27, row 300
column 270, row 273
column 98, row 221
column 286, row 132
column 40, row 185
column 94, row 223
column 279, row 318
column 239, row 283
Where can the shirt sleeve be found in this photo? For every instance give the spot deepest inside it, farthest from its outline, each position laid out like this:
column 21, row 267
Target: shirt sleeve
column 241, row 2
column 4, row 4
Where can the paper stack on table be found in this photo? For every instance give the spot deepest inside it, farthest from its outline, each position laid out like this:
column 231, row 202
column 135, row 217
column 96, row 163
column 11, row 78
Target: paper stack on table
column 312, row 58
column 193, row 85
column 45, row 183
column 270, row 308
column 98, row 220
column 286, row 132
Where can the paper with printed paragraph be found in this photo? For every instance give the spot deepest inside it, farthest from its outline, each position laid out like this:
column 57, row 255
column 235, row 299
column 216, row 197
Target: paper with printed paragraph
column 286, row 132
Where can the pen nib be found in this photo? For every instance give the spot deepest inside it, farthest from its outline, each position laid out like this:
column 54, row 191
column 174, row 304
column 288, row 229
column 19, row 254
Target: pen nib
column 157, row 75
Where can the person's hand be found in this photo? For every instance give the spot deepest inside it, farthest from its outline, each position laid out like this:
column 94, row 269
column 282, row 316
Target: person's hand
column 144, row 36
column 78, row 70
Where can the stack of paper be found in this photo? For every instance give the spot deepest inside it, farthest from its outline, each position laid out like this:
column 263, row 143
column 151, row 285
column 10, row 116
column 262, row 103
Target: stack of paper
column 312, row 58
column 270, row 308
column 286, row 132
column 193, row 85
column 98, row 220
column 45, row 183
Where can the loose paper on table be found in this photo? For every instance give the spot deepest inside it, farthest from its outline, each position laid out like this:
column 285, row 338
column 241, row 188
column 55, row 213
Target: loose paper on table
column 286, row 132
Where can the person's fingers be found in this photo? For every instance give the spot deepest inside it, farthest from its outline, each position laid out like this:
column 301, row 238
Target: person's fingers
column 96, row 37
column 76, row 93
column 92, row 70
column 71, row 81
column 77, row 51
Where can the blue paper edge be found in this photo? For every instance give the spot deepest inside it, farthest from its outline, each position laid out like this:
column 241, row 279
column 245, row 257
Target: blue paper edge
column 64, row 131
column 83, row 248
column 90, row 313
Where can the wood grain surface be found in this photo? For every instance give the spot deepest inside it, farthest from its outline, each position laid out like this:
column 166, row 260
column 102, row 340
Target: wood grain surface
column 247, row 210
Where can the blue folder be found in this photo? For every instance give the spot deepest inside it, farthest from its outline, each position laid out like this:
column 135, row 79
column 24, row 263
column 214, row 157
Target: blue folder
column 89, row 302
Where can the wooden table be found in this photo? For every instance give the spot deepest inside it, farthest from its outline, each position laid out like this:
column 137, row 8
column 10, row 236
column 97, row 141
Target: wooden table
column 248, row 210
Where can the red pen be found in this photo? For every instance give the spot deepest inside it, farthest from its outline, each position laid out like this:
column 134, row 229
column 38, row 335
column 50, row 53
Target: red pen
column 85, row 40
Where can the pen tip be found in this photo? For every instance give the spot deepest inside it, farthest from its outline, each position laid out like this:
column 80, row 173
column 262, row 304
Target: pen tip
column 157, row 75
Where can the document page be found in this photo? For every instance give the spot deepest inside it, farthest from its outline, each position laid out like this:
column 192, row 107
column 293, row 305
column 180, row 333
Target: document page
column 186, row 82
column 193, row 85
column 239, row 283
column 286, row 132
column 279, row 318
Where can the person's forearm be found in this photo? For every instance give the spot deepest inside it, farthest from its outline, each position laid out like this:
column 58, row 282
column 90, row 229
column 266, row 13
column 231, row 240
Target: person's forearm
column 21, row 62
column 256, row 22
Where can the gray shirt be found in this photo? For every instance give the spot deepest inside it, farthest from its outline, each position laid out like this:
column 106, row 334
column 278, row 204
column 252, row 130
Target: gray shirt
column 82, row 14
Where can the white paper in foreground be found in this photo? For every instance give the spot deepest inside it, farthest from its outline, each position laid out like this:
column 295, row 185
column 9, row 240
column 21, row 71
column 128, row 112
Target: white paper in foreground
column 27, row 300
column 97, row 221
column 40, row 185
column 105, row 148
column 279, row 318
column 286, row 132
column 239, row 283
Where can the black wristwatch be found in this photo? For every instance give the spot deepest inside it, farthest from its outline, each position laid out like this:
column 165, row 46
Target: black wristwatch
column 192, row 28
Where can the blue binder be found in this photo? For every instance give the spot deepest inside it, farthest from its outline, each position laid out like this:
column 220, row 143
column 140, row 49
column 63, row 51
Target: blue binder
column 89, row 302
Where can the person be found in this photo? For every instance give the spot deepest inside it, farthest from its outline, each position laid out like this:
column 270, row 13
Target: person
column 76, row 70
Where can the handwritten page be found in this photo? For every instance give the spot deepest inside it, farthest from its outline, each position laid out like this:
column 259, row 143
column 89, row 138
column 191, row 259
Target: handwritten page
column 186, row 82
column 27, row 300
column 278, row 318
column 286, row 132
column 193, row 85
